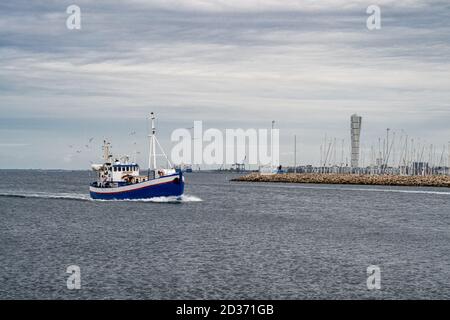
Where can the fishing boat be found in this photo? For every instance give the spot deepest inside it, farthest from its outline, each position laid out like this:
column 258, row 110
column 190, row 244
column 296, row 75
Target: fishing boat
column 120, row 179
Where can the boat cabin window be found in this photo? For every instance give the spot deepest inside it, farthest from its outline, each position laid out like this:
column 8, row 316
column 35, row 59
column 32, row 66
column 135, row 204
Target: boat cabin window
column 125, row 168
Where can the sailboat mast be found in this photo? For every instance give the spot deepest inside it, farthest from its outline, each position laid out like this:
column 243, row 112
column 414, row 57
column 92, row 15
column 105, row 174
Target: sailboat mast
column 271, row 147
column 152, row 149
column 295, row 153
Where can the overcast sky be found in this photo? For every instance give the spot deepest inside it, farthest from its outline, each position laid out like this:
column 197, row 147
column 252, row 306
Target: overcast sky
column 307, row 64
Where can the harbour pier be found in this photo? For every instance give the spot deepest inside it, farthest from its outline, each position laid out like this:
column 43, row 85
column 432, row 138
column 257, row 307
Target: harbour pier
column 360, row 179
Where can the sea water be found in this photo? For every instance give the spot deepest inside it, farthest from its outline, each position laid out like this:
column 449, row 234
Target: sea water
column 222, row 240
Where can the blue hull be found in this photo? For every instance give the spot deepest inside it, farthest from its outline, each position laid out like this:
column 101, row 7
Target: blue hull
column 166, row 189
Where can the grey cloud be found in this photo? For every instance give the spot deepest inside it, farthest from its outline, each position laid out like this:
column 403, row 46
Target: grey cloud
column 310, row 63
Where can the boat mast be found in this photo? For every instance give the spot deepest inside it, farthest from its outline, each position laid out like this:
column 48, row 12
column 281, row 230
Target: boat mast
column 106, row 152
column 152, row 150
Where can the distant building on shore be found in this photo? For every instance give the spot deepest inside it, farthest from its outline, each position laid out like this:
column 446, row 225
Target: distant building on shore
column 355, row 128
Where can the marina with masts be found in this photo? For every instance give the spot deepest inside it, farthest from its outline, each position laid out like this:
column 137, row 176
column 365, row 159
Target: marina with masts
column 396, row 158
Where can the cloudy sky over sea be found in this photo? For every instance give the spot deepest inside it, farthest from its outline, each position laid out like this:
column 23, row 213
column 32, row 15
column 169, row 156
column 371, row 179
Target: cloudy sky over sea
column 306, row 64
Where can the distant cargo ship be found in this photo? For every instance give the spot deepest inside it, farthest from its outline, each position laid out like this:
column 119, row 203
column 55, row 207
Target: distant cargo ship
column 120, row 179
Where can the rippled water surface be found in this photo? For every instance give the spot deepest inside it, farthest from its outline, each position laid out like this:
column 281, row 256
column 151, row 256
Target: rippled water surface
column 222, row 240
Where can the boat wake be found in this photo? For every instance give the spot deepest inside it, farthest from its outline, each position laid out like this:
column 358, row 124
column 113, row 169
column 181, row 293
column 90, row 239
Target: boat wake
column 171, row 199
column 46, row 195
column 85, row 197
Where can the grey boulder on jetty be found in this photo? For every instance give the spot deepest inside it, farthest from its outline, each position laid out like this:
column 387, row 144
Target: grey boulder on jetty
column 387, row 180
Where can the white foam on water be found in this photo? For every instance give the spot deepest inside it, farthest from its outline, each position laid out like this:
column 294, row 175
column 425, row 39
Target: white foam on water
column 86, row 197
column 171, row 199
column 46, row 195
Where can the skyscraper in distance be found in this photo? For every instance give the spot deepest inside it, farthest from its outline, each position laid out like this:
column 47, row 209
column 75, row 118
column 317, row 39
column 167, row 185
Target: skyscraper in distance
column 355, row 128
